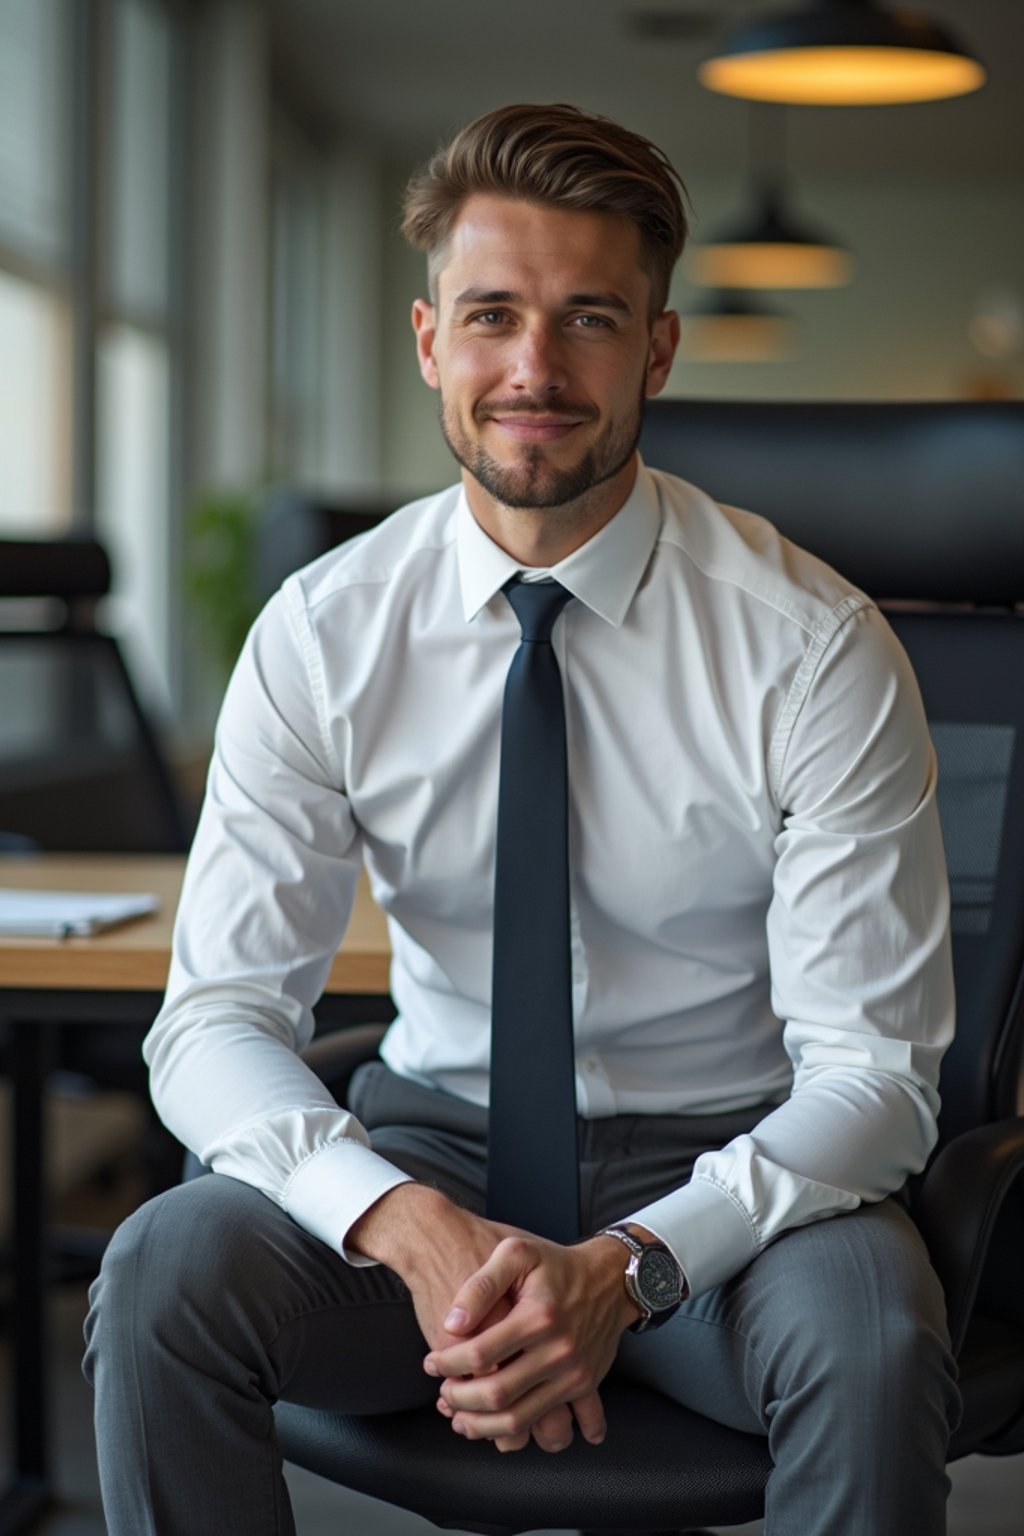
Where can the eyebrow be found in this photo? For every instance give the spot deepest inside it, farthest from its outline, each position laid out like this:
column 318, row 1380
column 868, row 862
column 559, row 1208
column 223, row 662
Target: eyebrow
column 575, row 300
column 485, row 296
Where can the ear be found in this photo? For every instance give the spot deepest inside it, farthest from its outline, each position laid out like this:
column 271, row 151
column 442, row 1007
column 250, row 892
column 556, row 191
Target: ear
column 664, row 341
column 424, row 323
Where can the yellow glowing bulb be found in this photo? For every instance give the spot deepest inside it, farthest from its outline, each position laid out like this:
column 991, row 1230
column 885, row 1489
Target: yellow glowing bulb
column 846, row 76
column 752, row 264
column 735, row 338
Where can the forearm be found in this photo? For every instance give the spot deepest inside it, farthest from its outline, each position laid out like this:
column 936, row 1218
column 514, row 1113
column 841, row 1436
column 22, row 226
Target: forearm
column 249, row 1107
column 842, row 1139
column 408, row 1229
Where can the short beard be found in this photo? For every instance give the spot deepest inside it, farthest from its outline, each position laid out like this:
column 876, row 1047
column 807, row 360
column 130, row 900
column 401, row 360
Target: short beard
column 533, row 483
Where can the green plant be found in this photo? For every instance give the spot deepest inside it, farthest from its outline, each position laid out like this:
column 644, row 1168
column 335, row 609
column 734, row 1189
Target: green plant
column 220, row 569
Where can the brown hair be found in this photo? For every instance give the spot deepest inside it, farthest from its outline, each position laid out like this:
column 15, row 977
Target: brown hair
column 559, row 155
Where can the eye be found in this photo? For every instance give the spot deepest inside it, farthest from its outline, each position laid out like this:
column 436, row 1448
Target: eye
column 490, row 317
column 590, row 322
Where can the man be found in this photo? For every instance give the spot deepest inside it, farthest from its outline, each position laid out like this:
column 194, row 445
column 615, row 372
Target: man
column 757, row 932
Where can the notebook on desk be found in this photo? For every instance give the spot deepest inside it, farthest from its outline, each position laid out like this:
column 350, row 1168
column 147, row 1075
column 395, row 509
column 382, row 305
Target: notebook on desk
column 68, row 914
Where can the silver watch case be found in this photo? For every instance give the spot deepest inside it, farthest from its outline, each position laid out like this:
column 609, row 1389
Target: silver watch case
column 654, row 1281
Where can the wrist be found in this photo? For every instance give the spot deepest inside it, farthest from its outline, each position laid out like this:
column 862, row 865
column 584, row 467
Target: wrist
column 652, row 1276
column 608, row 1259
column 393, row 1230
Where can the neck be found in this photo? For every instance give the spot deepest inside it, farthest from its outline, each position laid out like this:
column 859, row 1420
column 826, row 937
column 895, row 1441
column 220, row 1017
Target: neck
column 542, row 536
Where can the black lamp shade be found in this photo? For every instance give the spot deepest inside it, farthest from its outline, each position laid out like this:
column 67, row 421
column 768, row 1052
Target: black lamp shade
column 730, row 328
column 842, row 52
column 770, row 249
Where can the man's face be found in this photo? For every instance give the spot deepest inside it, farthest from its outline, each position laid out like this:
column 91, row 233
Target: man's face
column 541, row 345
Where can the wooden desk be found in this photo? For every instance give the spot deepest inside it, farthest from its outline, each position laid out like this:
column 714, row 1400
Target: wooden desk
column 114, row 977
column 135, row 956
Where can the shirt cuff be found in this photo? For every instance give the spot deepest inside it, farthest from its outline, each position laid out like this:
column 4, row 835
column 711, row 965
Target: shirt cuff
column 329, row 1192
column 708, row 1231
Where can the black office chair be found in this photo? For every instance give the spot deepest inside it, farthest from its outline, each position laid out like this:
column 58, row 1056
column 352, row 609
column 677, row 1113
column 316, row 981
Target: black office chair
column 81, row 771
column 296, row 526
column 80, row 767
column 922, row 506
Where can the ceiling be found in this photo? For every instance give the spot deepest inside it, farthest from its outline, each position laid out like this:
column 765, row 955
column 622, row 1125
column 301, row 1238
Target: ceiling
column 401, row 73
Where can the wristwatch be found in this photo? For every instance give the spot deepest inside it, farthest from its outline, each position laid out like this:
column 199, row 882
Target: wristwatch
column 654, row 1281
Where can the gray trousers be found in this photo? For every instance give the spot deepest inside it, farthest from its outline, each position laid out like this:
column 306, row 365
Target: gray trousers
column 212, row 1303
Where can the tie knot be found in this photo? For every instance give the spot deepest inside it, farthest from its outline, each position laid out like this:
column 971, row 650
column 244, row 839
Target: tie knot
column 537, row 605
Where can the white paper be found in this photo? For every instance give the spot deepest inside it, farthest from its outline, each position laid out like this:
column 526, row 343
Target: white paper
column 68, row 914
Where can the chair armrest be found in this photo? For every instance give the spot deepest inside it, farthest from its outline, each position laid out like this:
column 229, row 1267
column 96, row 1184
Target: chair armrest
column 334, row 1057
column 956, row 1207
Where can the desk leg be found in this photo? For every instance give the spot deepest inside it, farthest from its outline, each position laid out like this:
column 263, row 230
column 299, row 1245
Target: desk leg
column 30, row 1059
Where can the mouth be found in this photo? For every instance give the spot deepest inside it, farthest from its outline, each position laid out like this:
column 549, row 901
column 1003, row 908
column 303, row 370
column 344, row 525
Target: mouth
column 529, row 428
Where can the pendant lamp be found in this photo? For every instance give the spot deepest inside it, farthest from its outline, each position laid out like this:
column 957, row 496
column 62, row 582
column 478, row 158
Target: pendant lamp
column 768, row 247
column 851, row 53
column 730, row 328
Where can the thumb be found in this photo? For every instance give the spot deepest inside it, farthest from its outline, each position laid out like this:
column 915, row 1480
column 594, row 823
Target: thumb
column 479, row 1293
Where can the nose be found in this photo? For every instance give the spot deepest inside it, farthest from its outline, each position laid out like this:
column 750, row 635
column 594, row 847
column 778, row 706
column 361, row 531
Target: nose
column 538, row 366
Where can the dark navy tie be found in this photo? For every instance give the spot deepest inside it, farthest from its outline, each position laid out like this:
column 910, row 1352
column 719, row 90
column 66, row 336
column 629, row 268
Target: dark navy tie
column 533, row 1167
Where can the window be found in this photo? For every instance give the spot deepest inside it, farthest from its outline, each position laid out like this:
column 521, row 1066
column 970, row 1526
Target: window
column 90, row 205
column 297, row 240
column 35, row 260
column 35, row 467
column 134, row 352
column 34, row 97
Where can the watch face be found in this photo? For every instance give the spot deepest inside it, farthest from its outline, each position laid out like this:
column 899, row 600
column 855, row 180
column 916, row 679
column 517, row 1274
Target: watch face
column 658, row 1280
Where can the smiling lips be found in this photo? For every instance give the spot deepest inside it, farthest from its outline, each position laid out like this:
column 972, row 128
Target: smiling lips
column 533, row 429
column 533, row 426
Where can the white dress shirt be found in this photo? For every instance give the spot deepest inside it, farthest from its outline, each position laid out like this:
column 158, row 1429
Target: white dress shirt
column 759, row 898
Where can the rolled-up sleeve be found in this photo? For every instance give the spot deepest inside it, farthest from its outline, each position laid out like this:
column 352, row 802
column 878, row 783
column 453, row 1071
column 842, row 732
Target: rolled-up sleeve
column 858, row 937
column 267, row 895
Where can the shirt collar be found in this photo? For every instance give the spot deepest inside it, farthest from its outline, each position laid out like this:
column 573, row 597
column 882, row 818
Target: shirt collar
column 603, row 573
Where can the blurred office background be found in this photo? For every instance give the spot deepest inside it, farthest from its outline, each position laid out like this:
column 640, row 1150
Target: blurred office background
column 203, row 292
column 204, row 299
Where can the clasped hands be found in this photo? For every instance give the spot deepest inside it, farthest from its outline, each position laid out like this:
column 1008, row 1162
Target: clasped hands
column 523, row 1330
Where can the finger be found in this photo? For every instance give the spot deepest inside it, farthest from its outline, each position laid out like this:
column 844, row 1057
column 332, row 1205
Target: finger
column 517, row 1331
column 553, row 1431
column 495, row 1316
column 491, row 1391
column 511, row 1259
column 523, row 1414
column 589, row 1414
column 512, row 1442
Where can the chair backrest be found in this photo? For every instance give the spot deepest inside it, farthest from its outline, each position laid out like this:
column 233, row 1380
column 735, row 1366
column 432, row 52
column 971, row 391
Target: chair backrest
column 922, row 506
column 297, row 526
column 80, row 767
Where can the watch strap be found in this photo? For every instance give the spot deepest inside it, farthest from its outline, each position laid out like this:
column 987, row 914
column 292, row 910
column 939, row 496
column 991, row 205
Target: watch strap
column 636, row 1248
column 634, row 1244
column 648, row 1318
